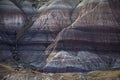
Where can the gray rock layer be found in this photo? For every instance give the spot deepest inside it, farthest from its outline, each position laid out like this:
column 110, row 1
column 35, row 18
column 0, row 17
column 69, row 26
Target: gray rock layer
column 67, row 36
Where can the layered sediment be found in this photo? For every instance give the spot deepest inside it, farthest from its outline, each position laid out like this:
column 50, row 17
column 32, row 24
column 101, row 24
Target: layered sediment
column 91, row 42
column 65, row 36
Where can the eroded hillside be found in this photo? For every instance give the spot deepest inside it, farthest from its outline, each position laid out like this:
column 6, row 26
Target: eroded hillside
column 61, row 35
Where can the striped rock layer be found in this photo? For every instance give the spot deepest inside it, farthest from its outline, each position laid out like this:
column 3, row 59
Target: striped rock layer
column 66, row 35
column 91, row 42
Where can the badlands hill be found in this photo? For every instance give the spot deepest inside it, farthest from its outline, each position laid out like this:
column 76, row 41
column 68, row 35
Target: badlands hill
column 62, row 35
column 91, row 42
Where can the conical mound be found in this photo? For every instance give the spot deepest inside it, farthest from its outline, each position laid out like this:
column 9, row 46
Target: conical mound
column 55, row 16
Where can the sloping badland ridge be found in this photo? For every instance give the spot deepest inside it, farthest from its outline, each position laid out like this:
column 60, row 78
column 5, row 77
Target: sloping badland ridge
column 61, row 35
